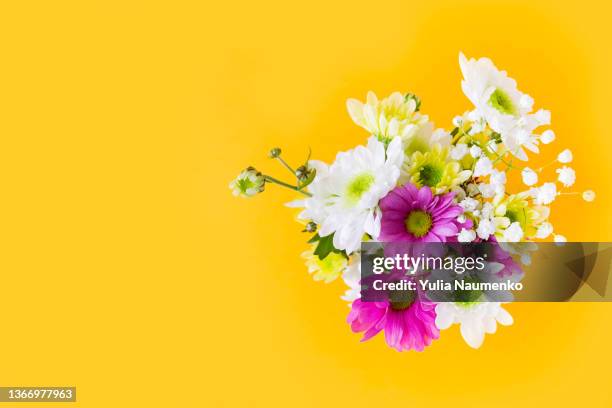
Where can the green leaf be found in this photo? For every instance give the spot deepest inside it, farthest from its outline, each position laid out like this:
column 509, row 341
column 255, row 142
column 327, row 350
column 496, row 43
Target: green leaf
column 326, row 246
column 314, row 239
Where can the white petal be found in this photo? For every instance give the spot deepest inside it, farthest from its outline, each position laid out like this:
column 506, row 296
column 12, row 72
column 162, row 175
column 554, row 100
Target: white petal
column 472, row 334
column 503, row 317
column 444, row 318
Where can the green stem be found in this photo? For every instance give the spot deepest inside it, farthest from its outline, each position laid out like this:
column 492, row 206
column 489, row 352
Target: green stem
column 284, row 163
column 286, row 185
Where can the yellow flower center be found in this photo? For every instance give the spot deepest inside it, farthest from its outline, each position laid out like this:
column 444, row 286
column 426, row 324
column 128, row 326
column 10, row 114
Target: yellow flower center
column 418, row 223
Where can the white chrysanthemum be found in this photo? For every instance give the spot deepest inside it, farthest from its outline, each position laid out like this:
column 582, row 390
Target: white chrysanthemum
column 475, row 319
column 567, row 176
column 393, row 116
column 498, row 101
column 345, row 195
column 352, row 278
column 529, row 176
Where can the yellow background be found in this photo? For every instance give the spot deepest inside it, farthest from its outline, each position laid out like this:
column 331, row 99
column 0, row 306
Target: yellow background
column 128, row 269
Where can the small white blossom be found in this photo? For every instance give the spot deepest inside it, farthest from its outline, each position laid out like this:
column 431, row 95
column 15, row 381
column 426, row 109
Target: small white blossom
column 483, row 167
column 485, row 229
column 559, row 238
column 565, row 156
column 529, row 176
column 546, row 194
column 544, row 230
column 472, row 189
column 588, row 196
column 513, row 233
column 457, row 121
column 498, row 177
column 567, row 176
column 487, row 190
column 466, row 235
column 475, row 151
column 547, row 137
column 469, row 204
column 459, row 151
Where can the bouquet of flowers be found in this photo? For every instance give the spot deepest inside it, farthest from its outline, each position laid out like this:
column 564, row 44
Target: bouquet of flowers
column 411, row 183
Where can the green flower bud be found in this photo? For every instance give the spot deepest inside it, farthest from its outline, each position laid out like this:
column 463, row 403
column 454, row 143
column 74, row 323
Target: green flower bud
column 274, row 153
column 248, row 183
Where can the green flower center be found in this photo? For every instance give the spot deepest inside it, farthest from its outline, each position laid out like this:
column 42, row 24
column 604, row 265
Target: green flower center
column 430, row 175
column 466, row 298
column 517, row 215
column 401, row 300
column 358, row 186
column 418, row 223
column 501, row 101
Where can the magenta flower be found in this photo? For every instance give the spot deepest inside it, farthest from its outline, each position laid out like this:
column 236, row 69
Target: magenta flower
column 407, row 325
column 410, row 214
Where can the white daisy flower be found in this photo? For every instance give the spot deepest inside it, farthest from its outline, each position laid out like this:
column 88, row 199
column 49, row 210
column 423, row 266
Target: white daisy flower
column 498, row 101
column 475, row 319
column 567, row 176
column 345, row 195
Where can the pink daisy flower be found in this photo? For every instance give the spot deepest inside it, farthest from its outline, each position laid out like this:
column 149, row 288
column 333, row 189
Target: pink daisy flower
column 410, row 214
column 407, row 325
